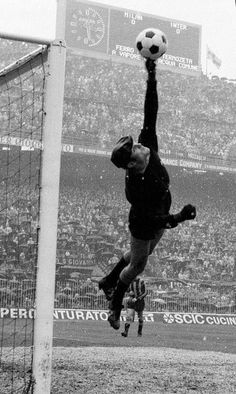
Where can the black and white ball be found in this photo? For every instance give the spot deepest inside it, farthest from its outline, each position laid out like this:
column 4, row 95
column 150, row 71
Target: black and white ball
column 151, row 43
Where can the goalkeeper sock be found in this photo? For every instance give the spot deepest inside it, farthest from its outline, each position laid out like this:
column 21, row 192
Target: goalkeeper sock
column 118, row 295
column 113, row 276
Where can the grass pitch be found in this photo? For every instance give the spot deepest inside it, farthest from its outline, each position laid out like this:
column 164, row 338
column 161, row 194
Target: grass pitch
column 216, row 338
column 89, row 357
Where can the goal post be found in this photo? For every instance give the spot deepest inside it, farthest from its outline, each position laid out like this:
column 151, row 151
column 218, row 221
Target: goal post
column 31, row 113
column 49, row 200
column 43, row 329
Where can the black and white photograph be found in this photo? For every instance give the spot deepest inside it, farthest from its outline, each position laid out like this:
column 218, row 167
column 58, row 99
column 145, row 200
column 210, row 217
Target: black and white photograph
column 117, row 197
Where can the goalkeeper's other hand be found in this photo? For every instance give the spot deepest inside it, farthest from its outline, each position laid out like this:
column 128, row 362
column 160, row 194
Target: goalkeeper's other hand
column 187, row 213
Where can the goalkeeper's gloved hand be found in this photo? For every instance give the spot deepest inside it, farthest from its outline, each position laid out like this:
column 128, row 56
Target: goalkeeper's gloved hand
column 187, row 213
column 151, row 69
column 150, row 65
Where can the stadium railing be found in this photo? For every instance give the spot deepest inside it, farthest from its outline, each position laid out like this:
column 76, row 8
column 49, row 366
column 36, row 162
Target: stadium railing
column 218, row 297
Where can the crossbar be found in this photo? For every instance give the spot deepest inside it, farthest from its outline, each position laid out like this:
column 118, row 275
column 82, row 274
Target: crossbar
column 10, row 72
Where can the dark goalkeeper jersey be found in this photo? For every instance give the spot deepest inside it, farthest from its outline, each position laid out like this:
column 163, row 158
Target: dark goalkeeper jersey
column 148, row 193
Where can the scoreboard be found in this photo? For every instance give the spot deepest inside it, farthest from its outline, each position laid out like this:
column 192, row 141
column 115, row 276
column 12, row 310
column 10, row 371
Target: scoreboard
column 99, row 30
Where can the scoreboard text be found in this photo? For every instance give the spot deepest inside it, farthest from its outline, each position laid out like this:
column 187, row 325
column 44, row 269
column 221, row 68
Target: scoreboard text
column 99, row 30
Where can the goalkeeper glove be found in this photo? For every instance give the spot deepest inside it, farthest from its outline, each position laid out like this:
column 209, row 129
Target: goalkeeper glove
column 151, row 69
column 187, row 213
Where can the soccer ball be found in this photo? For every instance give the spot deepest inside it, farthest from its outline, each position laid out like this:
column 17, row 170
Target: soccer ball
column 151, row 43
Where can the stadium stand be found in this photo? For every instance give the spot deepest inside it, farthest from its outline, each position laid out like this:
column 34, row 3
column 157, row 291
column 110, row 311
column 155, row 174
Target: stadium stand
column 194, row 268
column 197, row 115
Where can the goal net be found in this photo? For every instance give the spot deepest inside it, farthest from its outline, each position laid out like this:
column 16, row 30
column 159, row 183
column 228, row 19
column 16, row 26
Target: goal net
column 22, row 92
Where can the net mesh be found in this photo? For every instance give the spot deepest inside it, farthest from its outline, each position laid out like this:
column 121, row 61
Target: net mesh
column 22, row 87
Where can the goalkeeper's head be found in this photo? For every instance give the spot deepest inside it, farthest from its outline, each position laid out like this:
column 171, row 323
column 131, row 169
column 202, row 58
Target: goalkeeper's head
column 121, row 153
column 128, row 155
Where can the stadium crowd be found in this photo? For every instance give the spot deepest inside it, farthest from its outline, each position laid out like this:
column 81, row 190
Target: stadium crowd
column 102, row 101
column 93, row 232
column 197, row 115
column 203, row 250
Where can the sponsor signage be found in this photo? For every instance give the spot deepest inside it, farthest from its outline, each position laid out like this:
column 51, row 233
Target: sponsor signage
column 200, row 319
column 195, row 162
column 17, row 313
column 172, row 158
column 84, row 314
column 30, row 144
column 151, row 317
column 66, row 314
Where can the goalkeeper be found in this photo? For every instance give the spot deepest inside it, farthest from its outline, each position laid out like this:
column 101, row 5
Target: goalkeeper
column 147, row 190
